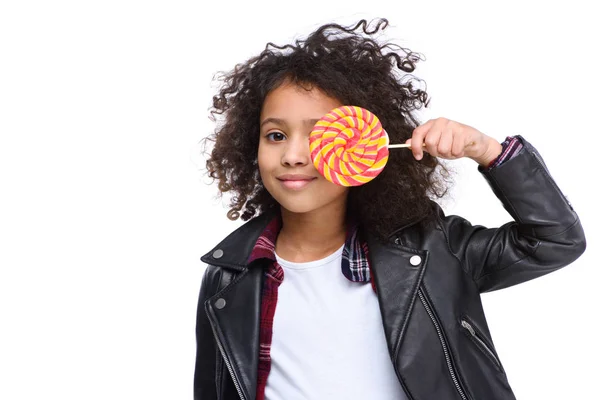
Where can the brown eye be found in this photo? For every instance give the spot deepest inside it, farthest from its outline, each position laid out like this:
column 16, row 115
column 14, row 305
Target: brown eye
column 275, row 136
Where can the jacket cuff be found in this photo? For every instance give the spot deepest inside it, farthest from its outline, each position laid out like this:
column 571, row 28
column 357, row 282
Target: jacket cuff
column 510, row 148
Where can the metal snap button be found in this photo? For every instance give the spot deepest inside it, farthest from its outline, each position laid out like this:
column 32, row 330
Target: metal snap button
column 217, row 253
column 415, row 260
column 220, row 303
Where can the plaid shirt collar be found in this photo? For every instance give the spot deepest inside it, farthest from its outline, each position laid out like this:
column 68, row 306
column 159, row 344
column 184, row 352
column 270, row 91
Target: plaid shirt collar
column 355, row 265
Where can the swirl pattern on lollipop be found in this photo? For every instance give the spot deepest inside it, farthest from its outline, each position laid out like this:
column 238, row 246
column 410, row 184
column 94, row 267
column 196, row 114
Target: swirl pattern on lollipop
column 348, row 146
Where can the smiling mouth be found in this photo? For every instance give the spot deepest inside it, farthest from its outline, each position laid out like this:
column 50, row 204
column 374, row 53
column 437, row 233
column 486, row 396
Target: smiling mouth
column 296, row 184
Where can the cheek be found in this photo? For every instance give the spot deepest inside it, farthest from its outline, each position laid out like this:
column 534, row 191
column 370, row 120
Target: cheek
column 332, row 189
column 261, row 172
column 261, row 160
column 266, row 158
column 265, row 168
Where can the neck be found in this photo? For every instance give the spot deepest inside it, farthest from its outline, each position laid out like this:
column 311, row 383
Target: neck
column 311, row 236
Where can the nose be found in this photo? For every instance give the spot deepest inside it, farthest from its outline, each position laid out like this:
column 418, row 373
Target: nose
column 297, row 152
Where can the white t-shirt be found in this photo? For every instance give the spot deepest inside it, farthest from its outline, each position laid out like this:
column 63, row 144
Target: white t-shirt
column 328, row 340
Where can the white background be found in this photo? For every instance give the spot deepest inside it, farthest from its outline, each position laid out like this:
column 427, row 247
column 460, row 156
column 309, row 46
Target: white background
column 105, row 209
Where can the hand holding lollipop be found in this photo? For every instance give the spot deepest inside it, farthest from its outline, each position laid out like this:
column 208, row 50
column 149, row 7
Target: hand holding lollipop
column 349, row 147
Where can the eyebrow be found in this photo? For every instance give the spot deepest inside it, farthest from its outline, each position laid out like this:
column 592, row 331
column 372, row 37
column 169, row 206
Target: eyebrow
column 279, row 121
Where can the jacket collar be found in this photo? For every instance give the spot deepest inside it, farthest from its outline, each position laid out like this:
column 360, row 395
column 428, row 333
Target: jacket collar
column 234, row 251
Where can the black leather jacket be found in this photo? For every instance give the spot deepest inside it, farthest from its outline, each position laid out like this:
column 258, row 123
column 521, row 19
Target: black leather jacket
column 434, row 323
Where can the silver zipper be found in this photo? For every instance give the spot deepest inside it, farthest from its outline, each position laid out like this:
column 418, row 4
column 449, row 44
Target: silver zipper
column 444, row 346
column 219, row 373
column 228, row 365
column 475, row 336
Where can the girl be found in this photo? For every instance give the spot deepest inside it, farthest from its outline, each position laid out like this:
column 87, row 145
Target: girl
column 329, row 292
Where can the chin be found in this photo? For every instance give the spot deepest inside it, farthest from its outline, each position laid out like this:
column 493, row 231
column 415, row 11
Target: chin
column 298, row 208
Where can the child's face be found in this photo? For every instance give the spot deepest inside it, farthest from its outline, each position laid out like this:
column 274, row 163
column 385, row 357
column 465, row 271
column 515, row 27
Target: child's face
column 287, row 118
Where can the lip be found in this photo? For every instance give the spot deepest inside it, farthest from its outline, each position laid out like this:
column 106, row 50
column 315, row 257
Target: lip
column 296, row 177
column 295, row 181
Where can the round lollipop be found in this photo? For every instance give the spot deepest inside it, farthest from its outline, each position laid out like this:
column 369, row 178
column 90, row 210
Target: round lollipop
column 348, row 146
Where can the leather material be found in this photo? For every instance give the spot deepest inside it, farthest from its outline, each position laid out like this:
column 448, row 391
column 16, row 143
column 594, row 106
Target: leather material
column 434, row 323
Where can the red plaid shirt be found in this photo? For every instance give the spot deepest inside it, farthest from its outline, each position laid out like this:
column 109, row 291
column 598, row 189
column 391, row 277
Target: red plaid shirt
column 355, row 267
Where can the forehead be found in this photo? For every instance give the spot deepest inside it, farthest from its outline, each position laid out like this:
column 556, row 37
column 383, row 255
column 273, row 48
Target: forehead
column 290, row 101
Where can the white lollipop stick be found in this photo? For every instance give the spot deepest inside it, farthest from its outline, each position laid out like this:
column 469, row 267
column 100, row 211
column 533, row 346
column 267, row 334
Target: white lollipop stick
column 397, row 146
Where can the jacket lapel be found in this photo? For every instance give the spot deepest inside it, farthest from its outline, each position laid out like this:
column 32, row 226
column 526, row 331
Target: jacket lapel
column 234, row 314
column 398, row 272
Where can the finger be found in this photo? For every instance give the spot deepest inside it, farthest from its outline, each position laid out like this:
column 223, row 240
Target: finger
column 446, row 140
column 433, row 136
column 418, row 136
column 458, row 147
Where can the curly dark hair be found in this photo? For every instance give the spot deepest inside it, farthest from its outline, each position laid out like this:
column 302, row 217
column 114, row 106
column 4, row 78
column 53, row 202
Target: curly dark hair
column 349, row 65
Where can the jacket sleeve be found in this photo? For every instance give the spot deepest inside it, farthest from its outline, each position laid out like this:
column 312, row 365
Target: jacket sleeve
column 206, row 353
column 546, row 233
